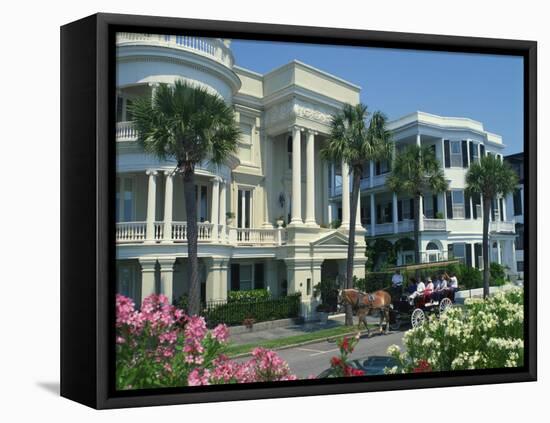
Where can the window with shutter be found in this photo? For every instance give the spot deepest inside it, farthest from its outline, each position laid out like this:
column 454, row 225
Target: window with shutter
column 464, row 154
column 449, row 202
column 482, row 150
column 473, row 152
column 400, row 210
column 447, row 153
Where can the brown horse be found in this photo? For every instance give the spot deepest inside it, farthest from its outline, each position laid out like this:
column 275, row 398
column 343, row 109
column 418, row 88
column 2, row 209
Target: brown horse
column 363, row 303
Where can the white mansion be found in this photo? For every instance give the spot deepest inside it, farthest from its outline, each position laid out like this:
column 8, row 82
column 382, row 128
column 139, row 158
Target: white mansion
column 284, row 116
column 451, row 224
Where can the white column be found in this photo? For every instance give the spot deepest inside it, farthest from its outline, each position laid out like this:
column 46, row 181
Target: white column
column 395, row 217
column 223, row 203
column 358, row 222
column 168, row 203
column 499, row 260
column 215, row 210
column 345, row 196
column 151, row 204
column 310, row 179
column 329, row 213
column 421, row 214
column 479, row 151
column 468, row 152
column 372, row 215
column 503, row 211
column 418, row 140
column 147, row 276
column 167, row 276
column 296, row 217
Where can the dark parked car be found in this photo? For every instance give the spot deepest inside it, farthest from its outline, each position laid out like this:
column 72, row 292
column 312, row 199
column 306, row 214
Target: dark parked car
column 373, row 365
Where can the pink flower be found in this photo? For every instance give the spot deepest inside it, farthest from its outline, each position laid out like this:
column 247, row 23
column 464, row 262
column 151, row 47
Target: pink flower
column 198, row 377
column 221, row 333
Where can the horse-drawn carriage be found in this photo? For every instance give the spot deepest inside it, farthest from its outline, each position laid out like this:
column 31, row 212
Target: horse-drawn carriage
column 415, row 312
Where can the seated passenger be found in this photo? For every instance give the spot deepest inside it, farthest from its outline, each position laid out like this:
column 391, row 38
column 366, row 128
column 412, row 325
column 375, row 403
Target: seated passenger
column 411, row 286
column 419, row 291
column 429, row 288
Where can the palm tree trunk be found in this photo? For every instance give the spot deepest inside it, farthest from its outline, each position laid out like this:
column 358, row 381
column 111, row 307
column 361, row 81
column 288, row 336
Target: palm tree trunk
column 192, row 239
column 416, row 231
column 351, row 240
column 485, row 249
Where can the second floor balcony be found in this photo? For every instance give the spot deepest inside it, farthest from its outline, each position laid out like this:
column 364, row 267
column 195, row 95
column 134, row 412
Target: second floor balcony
column 161, row 232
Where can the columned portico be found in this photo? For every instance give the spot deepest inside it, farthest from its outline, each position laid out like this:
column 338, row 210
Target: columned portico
column 345, row 196
column 310, row 179
column 296, row 213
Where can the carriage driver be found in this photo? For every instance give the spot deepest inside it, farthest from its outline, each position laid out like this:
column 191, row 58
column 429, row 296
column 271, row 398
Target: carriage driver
column 397, row 284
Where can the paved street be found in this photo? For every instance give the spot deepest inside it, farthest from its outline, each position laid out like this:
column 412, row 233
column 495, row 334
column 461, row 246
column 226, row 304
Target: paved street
column 312, row 359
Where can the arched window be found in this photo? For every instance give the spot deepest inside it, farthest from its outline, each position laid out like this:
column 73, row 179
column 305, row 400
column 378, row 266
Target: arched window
column 432, row 246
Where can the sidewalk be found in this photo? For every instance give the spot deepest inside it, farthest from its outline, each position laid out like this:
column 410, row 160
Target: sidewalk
column 257, row 336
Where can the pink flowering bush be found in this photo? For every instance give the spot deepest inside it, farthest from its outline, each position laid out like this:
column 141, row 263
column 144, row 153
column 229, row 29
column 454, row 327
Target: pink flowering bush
column 160, row 346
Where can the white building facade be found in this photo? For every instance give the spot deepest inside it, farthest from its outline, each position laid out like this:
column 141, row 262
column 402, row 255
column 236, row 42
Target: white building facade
column 276, row 174
column 515, row 204
column 451, row 224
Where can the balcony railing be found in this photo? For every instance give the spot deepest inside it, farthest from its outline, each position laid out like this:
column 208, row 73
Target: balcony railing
column 502, row 226
column 405, row 226
column 213, row 48
column 130, row 231
column 125, row 131
column 384, row 228
column 435, row 224
column 256, row 236
column 136, row 232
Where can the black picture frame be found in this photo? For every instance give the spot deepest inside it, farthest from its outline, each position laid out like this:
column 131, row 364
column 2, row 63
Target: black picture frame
column 87, row 232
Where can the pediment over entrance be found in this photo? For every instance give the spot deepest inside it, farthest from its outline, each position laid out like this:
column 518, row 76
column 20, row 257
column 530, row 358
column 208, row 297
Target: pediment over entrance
column 332, row 239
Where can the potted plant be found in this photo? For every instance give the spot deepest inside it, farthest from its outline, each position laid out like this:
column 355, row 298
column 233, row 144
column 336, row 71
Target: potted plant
column 229, row 218
column 280, row 221
column 248, row 323
column 322, row 312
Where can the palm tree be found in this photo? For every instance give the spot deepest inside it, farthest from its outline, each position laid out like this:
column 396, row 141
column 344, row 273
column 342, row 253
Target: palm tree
column 356, row 141
column 188, row 124
column 416, row 171
column 490, row 178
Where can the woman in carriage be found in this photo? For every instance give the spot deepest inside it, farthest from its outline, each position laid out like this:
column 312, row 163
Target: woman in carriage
column 428, row 290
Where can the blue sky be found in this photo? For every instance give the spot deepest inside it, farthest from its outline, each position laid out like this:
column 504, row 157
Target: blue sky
column 487, row 88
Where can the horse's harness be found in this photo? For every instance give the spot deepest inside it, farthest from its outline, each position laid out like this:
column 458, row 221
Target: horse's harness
column 359, row 303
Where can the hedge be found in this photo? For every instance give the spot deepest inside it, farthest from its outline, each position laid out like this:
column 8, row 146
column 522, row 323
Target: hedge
column 235, row 312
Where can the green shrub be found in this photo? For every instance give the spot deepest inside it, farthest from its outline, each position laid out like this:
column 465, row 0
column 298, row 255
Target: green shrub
column 327, row 290
column 497, row 274
column 373, row 281
column 234, row 313
column 251, row 295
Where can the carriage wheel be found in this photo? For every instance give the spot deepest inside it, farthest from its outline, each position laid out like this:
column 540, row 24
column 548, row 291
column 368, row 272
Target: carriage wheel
column 444, row 304
column 417, row 318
